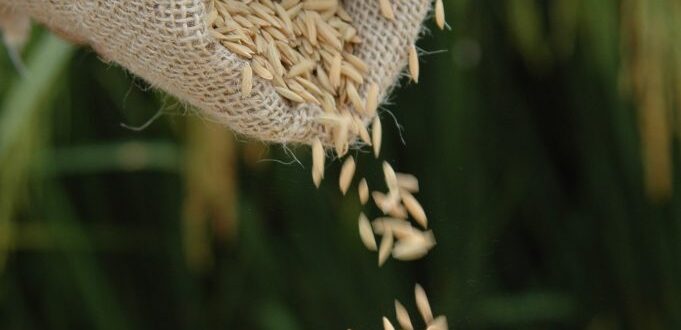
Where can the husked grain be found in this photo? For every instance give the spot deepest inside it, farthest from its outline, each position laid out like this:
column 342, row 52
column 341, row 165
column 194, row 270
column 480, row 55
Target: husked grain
column 363, row 191
column 414, row 63
column 365, row 233
column 387, row 325
column 403, row 316
column 408, row 182
column 414, row 207
column 386, row 246
column 376, row 135
column 390, row 176
column 423, row 304
column 439, row 323
column 289, row 94
column 317, row 161
column 346, row 174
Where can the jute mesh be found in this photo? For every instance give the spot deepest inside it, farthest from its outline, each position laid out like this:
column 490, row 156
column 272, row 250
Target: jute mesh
column 167, row 43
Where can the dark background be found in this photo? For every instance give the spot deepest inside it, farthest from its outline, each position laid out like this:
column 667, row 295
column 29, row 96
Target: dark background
column 545, row 138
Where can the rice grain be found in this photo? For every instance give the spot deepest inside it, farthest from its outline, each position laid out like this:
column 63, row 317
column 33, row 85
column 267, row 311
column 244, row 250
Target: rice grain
column 317, row 162
column 422, row 304
column 415, row 209
column 403, row 316
column 414, row 63
column 387, row 325
column 346, row 174
column 363, row 188
column 385, row 247
column 365, row 233
column 376, row 135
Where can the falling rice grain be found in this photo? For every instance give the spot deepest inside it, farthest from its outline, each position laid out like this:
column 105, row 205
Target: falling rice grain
column 386, row 246
column 363, row 191
column 317, row 162
column 415, row 209
column 414, row 63
column 387, row 325
column 408, row 182
column 390, row 176
column 414, row 245
column 365, row 233
column 376, row 135
column 422, row 304
column 439, row 323
column 403, row 316
column 346, row 174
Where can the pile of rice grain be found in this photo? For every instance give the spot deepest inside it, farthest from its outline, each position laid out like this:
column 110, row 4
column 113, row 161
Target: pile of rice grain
column 305, row 48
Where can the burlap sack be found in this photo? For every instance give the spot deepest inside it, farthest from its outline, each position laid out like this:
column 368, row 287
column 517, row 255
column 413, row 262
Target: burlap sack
column 167, row 43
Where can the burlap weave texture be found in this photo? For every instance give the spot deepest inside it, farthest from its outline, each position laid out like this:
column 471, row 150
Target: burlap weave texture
column 167, row 43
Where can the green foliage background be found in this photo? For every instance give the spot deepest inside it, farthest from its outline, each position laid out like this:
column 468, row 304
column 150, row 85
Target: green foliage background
column 544, row 138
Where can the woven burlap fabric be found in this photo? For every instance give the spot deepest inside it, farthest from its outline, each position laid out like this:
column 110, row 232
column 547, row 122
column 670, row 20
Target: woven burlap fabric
column 167, row 43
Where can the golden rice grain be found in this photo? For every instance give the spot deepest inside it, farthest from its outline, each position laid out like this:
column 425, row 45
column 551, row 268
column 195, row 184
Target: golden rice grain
column 365, row 233
column 362, row 131
column 414, row 245
column 440, row 14
column 335, row 71
column 398, row 211
column 376, row 135
column 387, row 325
column 415, row 209
column 317, row 162
column 400, row 228
column 320, row 5
column 386, row 246
column 352, row 73
column 354, row 97
column 386, row 202
column 408, row 182
column 403, row 316
column 358, row 63
column 246, row 81
column 414, row 63
column 300, row 68
column 439, row 323
column 238, row 49
column 262, row 71
column 363, row 189
column 386, row 9
column 341, row 136
column 289, row 94
column 390, row 176
column 422, row 304
column 346, row 174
